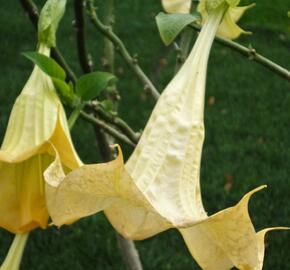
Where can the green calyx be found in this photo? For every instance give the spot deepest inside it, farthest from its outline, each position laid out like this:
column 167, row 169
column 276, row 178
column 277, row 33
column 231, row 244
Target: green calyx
column 49, row 19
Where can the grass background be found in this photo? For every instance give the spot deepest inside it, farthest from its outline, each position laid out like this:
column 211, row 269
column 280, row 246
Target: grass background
column 247, row 131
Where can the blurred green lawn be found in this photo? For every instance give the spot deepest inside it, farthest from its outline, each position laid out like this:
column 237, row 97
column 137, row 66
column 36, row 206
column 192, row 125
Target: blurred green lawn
column 247, row 131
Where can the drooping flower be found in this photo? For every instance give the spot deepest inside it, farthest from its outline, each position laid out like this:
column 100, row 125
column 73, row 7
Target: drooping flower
column 159, row 186
column 228, row 27
column 37, row 129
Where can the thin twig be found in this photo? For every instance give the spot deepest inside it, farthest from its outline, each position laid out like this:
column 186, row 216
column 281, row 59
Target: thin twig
column 129, row 253
column 85, row 62
column 110, row 130
column 31, row 9
column 251, row 54
column 132, row 62
column 115, row 120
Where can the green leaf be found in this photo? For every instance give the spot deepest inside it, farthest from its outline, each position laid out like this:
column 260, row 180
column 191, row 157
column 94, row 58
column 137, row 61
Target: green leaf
column 91, row 85
column 108, row 106
column 66, row 92
column 46, row 64
column 49, row 19
column 170, row 25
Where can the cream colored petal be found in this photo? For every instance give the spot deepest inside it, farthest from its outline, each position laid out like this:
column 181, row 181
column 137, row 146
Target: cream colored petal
column 92, row 188
column 261, row 243
column 177, row 6
column 227, row 239
column 22, row 200
column 132, row 215
column 166, row 162
column 237, row 12
column 228, row 28
column 82, row 192
column 62, row 141
column 32, row 120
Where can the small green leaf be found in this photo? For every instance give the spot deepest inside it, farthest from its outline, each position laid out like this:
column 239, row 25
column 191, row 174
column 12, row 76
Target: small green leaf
column 66, row 92
column 49, row 19
column 91, row 85
column 170, row 25
column 108, row 106
column 47, row 65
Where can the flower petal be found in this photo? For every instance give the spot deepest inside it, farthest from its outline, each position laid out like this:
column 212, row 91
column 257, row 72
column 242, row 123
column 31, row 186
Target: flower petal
column 93, row 188
column 32, row 120
column 227, row 239
column 22, row 200
column 177, row 6
column 61, row 140
column 228, row 28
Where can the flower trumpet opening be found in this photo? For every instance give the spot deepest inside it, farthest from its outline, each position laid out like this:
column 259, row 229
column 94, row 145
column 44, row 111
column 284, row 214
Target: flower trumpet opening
column 228, row 27
column 37, row 121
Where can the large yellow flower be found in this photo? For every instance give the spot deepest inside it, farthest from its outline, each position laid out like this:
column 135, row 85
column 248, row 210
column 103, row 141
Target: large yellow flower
column 159, row 186
column 37, row 129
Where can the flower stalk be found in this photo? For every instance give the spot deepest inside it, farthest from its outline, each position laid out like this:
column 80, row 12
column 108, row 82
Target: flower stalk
column 14, row 256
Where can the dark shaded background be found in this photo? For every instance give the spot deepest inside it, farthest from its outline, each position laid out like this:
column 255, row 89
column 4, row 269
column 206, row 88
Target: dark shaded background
column 247, row 130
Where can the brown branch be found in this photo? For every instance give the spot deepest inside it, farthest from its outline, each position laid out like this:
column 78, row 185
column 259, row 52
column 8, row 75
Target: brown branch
column 251, row 54
column 110, row 130
column 129, row 253
column 85, row 62
column 132, row 62
column 114, row 120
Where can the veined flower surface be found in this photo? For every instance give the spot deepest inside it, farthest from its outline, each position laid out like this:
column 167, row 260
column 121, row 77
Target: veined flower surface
column 159, row 186
column 37, row 128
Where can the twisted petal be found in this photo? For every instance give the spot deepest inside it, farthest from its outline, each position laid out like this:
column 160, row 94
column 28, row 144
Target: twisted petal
column 221, row 241
column 228, row 27
column 93, row 188
column 227, row 239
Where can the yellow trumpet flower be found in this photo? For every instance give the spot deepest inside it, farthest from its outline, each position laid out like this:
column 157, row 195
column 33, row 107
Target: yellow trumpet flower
column 37, row 129
column 228, row 27
column 159, row 187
